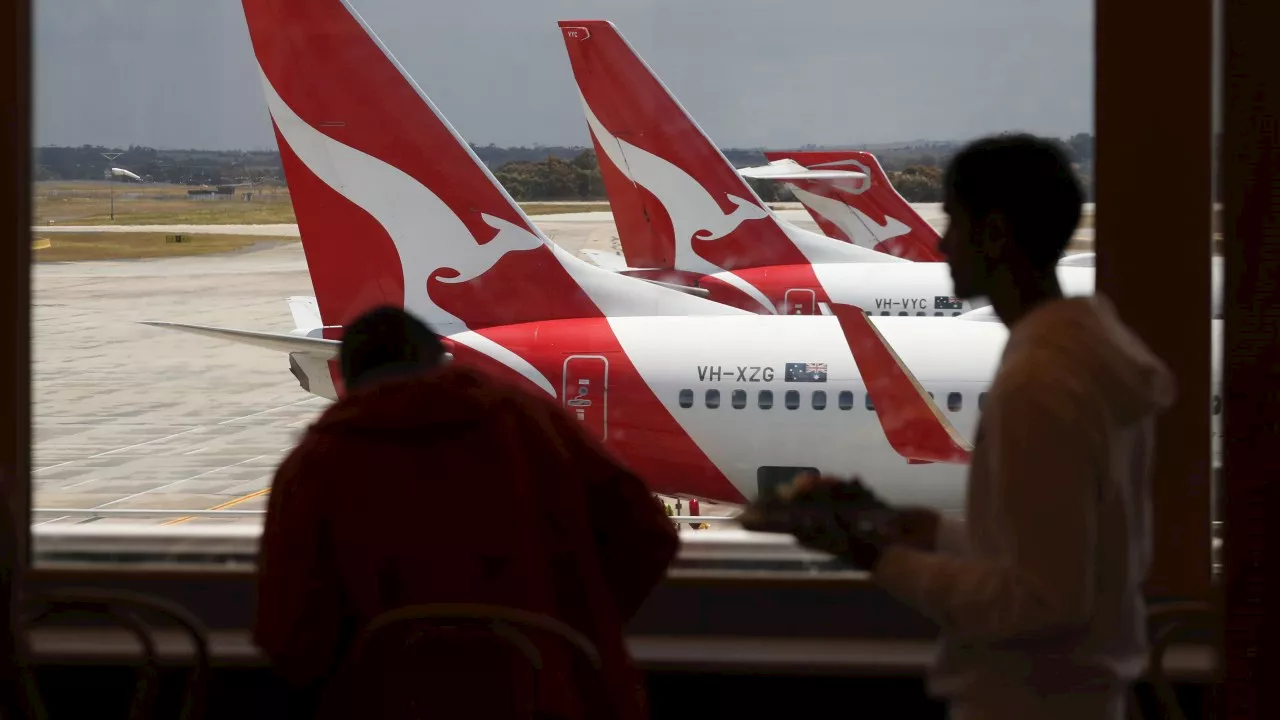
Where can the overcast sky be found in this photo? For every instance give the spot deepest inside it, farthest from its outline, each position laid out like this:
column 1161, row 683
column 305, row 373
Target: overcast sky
column 179, row 73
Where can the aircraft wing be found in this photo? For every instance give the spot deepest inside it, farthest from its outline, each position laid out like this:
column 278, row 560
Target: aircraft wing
column 1084, row 259
column 914, row 426
column 271, row 341
column 986, row 313
column 788, row 169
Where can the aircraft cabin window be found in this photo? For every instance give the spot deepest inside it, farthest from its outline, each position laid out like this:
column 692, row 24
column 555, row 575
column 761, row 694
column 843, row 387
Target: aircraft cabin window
column 870, row 405
column 1217, row 404
column 982, row 400
column 686, row 398
column 920, row 314
column 713, row 399
column 739, row 399
column 766, row 399
column 903, row 313
column 955, row 401
column 819, row 400
column 884, row 312
column 938, row 314
column 955, row 314
column 846, row 400
column 792, row 399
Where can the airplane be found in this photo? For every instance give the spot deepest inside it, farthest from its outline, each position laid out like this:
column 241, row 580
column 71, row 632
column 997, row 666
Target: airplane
column 700, row 399
column 866, row 210
column 685, row 215
column 872, row 214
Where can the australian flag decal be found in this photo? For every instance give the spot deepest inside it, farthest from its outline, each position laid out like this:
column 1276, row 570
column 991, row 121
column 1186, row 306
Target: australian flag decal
column 806, row 372
column 942, row 302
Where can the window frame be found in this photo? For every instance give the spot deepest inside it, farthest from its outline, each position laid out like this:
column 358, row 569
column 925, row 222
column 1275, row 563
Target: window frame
column 853, row 400
column 15, row 278
column 760, row 396
column 799, row 604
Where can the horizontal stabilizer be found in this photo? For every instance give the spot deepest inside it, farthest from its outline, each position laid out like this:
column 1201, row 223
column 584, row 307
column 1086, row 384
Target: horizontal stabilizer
column 911, row 422
column 867, row 211
column 788, row 169
column 271, row 341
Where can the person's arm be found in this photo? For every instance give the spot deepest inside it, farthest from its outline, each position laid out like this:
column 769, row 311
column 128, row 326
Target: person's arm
column 952, row 536
column 299, row 604
column 1045, row 468
column 635, row 539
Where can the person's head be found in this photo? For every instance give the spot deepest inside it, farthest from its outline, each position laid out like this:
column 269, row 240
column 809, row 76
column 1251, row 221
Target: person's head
column 1013, row 203
column 384, row 341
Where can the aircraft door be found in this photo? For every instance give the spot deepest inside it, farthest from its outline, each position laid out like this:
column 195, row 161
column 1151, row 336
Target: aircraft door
column 800, row 301
column 585, row 392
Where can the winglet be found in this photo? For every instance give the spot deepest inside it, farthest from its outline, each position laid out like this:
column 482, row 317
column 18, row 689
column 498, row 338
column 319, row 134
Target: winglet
column 912, row 423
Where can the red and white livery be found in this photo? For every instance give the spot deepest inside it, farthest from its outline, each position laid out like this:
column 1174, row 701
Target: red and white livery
column 700, row 398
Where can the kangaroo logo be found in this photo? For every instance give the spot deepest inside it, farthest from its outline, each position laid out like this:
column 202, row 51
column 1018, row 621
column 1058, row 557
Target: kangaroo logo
column 432, row 241
column 855, row 224
column 693, row 212
column 856, row 186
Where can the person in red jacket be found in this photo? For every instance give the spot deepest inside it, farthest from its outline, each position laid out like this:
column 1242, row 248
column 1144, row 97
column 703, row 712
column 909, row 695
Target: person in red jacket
column 429, row 482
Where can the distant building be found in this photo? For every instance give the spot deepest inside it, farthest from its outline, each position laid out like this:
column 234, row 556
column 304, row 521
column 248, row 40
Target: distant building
column 222, row 192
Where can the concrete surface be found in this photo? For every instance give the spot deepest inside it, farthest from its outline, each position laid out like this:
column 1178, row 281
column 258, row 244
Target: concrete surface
column 133, row 417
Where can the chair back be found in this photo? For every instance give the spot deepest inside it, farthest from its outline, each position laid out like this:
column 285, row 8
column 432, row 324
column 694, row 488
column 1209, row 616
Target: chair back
column 127, row 610
column 466, row 660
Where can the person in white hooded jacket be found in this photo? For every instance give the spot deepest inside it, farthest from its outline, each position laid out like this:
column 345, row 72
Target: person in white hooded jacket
column 1038, row 591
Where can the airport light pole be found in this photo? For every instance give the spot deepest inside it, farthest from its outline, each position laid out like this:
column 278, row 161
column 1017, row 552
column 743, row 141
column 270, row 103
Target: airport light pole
column 111, row 181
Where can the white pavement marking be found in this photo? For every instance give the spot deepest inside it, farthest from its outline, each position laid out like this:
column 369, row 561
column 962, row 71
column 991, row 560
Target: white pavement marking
column 119, row 449
column 171, row 484
column 278, row 407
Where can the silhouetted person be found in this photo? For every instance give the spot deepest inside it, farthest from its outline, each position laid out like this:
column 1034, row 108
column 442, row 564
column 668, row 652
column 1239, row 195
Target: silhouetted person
column 433, row 483
column 1039, row 592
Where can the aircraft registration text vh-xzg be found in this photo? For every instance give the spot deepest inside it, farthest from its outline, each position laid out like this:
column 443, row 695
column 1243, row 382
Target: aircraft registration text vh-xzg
column 794, row 372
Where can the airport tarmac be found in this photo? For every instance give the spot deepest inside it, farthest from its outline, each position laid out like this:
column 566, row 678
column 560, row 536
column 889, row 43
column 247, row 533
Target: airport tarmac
column 131, row 417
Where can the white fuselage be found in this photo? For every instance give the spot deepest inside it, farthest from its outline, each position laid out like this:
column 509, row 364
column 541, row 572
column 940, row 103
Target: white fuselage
column 708, row 397
column 696, row 355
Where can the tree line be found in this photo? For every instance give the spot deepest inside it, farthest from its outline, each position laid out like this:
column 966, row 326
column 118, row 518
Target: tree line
column 527, row 173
